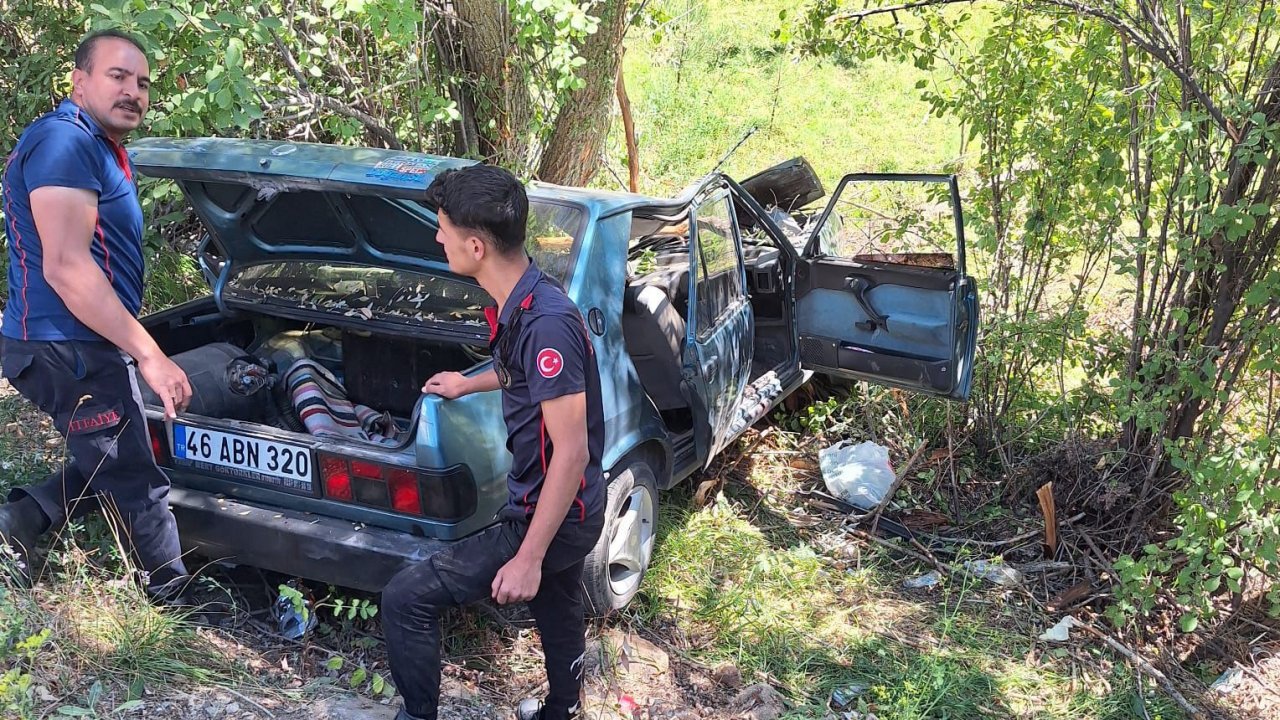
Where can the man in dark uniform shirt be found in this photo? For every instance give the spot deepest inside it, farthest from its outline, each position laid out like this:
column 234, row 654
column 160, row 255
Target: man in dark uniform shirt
column 72, row 342
column 546, row 368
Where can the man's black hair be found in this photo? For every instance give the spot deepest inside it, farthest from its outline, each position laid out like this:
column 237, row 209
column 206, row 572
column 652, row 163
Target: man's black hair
column 486, row 199
column 84, row 51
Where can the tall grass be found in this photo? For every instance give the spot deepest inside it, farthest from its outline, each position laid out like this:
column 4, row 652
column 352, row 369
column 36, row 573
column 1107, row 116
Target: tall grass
column 701, row 73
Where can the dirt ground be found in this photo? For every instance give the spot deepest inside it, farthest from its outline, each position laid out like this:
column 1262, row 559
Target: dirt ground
column 628, row 678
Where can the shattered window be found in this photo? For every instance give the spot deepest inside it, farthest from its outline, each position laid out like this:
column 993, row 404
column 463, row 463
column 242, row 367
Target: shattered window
column 903, row 222
column 363, row 292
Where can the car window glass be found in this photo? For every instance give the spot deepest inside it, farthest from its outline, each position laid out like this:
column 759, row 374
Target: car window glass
column 903, row 222
column 551, row 231
column 361, row 292
column 719, row 282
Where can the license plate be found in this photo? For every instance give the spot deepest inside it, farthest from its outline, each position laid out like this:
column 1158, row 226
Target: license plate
column 247, row 458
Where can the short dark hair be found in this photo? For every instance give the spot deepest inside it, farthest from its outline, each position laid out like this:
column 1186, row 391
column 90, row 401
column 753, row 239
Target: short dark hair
column 84, row 51
column 486, row 199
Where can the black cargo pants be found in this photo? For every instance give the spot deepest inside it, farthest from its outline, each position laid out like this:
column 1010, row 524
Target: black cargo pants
column 90, row 389
column 463, row 573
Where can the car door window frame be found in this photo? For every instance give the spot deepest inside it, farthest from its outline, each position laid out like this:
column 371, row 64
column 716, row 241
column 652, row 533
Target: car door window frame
column 717, row 193
column 813, row 248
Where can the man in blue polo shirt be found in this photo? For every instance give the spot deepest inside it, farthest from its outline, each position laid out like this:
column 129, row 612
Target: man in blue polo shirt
column 72, row 342
column 546, row 368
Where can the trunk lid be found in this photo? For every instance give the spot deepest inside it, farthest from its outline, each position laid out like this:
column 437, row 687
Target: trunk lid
column 264, row 200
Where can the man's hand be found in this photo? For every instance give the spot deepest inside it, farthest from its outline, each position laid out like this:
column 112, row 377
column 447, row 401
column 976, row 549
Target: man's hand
column 451, row 385
column 168, row 381
column 518, row 580
column 448, row 385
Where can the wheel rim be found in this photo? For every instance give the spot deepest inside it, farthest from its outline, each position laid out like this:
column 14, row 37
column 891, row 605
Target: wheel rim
column 631, row 542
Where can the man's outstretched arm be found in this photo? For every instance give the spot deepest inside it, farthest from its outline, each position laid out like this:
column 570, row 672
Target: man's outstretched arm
column 65, row 219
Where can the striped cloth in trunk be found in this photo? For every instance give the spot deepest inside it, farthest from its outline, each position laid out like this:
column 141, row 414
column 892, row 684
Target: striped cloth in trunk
column 322, row 405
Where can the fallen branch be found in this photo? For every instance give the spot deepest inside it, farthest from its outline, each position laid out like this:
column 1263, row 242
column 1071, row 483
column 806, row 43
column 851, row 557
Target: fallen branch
column 897, row 480
column 1143, row 665
column 1134, row 658
column 995, row 543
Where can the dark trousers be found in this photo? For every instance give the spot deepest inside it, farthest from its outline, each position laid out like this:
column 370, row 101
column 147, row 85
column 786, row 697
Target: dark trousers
column 462, row 574
column 90, row 389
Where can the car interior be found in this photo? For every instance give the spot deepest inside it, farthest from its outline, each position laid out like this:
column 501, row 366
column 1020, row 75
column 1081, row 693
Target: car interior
column 656, row 308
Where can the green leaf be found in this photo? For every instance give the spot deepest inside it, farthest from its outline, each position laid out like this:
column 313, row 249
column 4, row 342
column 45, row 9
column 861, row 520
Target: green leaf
column 334, row 663
column 358, row 677
column 235, row 53
column 150, row 18
column 1188, row 623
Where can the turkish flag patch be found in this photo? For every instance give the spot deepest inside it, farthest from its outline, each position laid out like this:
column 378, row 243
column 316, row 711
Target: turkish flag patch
column 550, row 362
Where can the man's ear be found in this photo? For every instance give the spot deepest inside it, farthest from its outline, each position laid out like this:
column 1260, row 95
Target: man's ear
column 479, row 249
column 77, row 79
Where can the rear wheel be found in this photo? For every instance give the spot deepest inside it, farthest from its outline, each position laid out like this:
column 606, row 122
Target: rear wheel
column 617, row 564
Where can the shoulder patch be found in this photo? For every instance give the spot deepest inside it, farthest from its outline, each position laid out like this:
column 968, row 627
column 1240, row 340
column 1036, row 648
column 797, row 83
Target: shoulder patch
column 550, row 362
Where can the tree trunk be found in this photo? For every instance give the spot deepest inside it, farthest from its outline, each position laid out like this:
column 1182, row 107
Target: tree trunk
column 572, row 154
column 629, row 129
column 499, row 96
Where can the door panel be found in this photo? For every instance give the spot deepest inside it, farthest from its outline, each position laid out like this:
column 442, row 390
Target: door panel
column 882, row 294
column 717, row 359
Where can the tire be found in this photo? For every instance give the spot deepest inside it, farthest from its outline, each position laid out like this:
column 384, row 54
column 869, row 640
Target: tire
column 616, row 566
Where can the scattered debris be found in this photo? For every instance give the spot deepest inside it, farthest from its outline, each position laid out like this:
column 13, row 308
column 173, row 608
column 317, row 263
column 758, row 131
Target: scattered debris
column 842, row 698
column 728, row 675
column 1069, row 597
column 859, row 474
column 996, row 572
column 294, row 614
column 628, row 706
column 759, row 702
column 1045, row 496
column 927, row 580
column 1060, row 632
column 1228, row 680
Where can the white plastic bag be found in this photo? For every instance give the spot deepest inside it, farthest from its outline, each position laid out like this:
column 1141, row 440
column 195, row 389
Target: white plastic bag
column 858, row 474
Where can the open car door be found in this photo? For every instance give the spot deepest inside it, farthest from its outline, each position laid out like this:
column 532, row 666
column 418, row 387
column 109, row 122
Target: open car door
column 717, row 352
column 881, row 289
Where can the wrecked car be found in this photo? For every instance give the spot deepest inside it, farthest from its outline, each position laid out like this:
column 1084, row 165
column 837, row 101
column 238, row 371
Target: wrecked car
column 309, row 448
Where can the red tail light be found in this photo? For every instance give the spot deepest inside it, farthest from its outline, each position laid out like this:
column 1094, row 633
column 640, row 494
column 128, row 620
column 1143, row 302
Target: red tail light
column 447, row 494
column 337, row 480
column 159, row 443
column 404, row 492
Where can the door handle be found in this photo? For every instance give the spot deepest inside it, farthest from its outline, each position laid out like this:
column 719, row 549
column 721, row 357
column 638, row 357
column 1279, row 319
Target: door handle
column 859, row 286
column 709, row 367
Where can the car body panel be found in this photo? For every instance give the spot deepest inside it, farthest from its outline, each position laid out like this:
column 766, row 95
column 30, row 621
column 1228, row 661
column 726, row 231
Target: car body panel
column 230, row 182
column 886, row 316
column 717, row 359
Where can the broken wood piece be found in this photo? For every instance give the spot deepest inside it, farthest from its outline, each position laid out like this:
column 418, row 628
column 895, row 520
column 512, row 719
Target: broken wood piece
column 1143, row 665
column 1069, row 597
column 1047, row 507
column 903, row 471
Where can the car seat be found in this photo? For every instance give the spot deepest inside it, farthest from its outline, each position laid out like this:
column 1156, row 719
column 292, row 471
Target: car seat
column 654, row 334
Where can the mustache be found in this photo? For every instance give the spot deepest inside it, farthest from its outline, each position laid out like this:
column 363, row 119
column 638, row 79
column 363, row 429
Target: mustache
column 135, row 107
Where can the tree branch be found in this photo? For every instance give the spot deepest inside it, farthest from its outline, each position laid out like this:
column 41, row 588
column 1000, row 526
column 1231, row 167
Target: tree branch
column 318, row 102
column 1162, row 54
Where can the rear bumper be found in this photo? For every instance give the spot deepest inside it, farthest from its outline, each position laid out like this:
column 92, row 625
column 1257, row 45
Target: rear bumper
column 295, row 543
